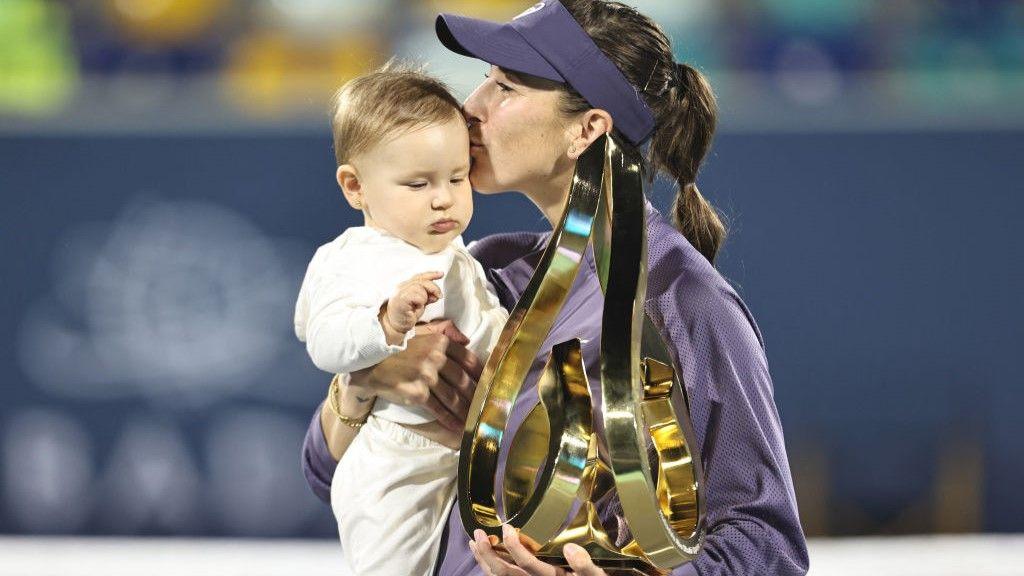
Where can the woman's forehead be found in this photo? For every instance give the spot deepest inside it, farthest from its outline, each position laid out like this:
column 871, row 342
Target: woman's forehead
column 510, row 74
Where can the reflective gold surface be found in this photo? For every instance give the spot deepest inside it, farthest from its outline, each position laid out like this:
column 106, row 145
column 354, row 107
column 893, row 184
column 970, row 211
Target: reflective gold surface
column 557, row 467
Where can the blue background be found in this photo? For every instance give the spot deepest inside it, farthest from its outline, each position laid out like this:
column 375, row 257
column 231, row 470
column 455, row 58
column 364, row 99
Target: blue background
column 883, row 269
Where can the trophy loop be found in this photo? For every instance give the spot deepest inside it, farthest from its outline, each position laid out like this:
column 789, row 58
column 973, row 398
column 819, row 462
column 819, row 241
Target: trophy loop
column 557, row 467
column 662, row 511
column 514, row 354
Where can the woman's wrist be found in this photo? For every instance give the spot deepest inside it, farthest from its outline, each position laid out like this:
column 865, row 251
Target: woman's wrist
column 342, row 415
column 353, row 400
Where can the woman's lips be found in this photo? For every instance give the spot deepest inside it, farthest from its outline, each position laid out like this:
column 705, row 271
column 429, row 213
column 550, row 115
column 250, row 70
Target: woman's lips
column 444, row 226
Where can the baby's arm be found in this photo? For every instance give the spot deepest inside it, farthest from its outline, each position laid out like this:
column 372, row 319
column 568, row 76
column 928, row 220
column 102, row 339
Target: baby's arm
column 338, row 315
column 343, row 332
column 345, row 323
column 404, row 309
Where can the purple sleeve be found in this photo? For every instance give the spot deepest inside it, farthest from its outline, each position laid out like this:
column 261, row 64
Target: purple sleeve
column 317, row 463
column 752, row 521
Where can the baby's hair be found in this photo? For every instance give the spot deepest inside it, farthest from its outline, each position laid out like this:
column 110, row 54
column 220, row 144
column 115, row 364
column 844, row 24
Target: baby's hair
column 395, row 98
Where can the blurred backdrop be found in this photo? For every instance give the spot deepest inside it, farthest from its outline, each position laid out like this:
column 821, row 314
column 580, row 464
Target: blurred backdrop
column 166, row 172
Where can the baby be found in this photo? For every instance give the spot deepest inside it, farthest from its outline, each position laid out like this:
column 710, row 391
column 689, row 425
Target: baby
column 402, row 149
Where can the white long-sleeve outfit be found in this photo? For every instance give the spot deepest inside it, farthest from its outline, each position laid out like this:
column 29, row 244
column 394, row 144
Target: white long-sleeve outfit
column 392, row 489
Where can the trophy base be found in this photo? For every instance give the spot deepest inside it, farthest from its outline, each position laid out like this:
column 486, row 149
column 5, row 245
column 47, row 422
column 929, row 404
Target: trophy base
column 587, row 531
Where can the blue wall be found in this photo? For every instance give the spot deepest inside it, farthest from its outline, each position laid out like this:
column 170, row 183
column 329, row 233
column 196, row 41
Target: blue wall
column 153, row 385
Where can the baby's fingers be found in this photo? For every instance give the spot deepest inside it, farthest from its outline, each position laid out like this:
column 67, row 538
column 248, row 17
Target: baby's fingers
column 422, row 294
column 433, row 291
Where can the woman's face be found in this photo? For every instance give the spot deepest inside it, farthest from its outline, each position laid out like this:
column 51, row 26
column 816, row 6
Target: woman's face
column 518, row 138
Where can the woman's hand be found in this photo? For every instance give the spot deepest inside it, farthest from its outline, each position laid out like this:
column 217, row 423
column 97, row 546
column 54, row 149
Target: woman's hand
column 435, row 371
column 523, row 561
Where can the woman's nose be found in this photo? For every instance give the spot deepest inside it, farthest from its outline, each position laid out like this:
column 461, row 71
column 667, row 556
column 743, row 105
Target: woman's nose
column 473, row 108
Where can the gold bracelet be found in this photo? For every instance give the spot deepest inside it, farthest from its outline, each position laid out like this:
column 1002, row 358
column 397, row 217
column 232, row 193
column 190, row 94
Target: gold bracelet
column 332, row 401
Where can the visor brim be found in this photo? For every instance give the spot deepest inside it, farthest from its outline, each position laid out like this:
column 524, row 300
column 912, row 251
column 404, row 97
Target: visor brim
column 494, row 43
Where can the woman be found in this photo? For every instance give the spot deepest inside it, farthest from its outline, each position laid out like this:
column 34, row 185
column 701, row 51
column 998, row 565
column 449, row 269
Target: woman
column 550, row 93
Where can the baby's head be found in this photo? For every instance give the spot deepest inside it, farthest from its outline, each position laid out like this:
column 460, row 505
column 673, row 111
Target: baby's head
column 403, row 155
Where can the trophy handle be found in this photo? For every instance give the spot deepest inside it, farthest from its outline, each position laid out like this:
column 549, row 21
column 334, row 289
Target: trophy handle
column 664, row 516
column 509, row 363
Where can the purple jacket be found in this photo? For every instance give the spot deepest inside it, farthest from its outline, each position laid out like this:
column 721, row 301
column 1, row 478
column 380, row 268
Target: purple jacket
column 752, row 522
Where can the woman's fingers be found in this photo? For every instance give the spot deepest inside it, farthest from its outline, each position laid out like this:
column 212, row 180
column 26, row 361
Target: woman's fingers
column 448, row 390
column 466, row 359
column 489, row 560
column 455, row 384
column 444, row 415
column 461, row 384
column 479, row 560
column 406, row 377
column 526, row 563
column 524, row 557
column 452, row 332
column 580, row 561
column 445, row 327
column 430, row 373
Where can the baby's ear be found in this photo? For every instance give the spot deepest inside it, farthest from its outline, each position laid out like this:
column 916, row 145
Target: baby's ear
column 348, row 181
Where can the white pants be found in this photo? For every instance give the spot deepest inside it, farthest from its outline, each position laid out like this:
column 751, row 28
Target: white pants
column 390, row 495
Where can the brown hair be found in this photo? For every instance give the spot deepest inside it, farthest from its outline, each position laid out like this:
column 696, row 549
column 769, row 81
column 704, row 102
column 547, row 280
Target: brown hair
column 393, row 99
column 680, row 97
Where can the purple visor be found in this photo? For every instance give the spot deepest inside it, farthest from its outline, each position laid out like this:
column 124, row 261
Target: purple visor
column 546, row 41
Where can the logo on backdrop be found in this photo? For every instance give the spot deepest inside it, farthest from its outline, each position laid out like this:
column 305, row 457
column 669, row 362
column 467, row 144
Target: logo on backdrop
column 175, row 305
column 177, row 300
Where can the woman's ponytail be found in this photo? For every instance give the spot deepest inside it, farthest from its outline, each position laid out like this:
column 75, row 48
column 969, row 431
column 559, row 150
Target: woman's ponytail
column 687, row 118
column 682, row 101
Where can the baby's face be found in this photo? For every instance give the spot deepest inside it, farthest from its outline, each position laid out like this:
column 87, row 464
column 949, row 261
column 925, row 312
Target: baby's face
column 416, row 186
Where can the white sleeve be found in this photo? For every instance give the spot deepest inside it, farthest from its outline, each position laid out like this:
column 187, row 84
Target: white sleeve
column 340, row 325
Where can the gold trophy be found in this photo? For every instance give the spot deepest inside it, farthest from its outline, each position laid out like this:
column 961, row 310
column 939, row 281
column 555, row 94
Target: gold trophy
column 557, row 467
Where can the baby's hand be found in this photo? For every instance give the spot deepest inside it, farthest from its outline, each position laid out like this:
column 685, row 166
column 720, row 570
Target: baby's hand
column 403, row 310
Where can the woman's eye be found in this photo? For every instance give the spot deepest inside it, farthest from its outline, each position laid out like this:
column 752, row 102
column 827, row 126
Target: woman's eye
column 501, row 85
